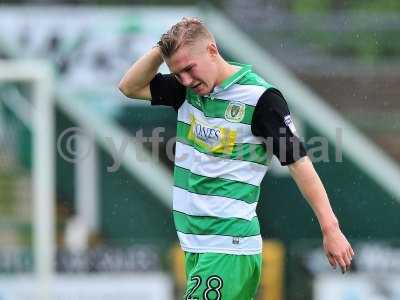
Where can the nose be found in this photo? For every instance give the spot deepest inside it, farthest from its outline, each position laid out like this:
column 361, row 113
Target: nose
column 186, row 79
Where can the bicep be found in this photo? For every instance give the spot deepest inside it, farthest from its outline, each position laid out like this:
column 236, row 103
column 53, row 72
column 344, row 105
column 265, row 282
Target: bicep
column 272, row 121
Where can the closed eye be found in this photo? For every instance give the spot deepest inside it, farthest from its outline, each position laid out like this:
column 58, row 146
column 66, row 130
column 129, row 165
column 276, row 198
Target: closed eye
column 186, row 69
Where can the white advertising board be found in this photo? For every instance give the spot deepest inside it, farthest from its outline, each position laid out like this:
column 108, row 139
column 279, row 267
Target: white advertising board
column 375, row 274
column 139, row 286
column 357, row 287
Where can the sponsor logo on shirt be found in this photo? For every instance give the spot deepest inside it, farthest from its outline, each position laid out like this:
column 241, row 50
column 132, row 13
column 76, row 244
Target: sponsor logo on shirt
column 213, row 139
column 208, row 135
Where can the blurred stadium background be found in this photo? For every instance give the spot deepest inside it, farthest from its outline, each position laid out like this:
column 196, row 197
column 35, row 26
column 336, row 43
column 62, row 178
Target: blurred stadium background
column 76, row 224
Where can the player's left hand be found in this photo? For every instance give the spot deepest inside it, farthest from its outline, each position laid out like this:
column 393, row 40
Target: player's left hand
column 337, row 249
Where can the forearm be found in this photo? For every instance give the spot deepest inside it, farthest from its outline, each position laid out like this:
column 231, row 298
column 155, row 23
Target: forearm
column 337, row 249
column 136, row 80
column 314, row 192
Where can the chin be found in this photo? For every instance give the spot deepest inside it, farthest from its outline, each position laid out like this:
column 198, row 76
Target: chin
column 204, row 92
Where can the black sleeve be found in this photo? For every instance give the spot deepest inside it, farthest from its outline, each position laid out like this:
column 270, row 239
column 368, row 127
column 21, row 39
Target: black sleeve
column 272, row 121
column 166, row 90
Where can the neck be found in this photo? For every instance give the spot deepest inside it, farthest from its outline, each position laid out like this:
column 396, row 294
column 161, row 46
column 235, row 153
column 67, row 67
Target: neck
column 226, row 70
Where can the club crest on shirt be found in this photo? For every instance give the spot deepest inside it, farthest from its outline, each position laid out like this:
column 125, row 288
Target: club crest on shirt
column 235, row 111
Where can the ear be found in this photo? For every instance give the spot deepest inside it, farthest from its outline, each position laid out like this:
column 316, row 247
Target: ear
column 212, row 49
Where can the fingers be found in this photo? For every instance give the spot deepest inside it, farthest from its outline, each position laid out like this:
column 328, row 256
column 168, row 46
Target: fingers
column 347, row 261
column 344, row 260
column 351, row 251
column 342, row 263
column 338, row 251
column 332, row 261
column 349, row 255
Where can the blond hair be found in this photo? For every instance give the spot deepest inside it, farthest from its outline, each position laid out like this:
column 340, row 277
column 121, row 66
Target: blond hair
column 186, row 31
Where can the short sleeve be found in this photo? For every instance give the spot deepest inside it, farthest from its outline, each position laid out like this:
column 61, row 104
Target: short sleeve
column 166, row 90
column 273, row 122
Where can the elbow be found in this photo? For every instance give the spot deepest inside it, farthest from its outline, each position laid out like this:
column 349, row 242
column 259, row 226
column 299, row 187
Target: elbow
column 134, row 91
column 124, row 89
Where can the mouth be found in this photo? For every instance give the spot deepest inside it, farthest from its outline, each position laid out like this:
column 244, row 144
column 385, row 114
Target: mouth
column 196, row 86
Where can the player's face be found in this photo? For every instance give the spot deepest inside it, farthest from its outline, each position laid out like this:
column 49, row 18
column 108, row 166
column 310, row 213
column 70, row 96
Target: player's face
column 194, row 66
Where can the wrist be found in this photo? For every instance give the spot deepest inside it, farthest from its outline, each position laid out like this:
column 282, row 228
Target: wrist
column 156, row 55
column 331, row 226
column 156, row 50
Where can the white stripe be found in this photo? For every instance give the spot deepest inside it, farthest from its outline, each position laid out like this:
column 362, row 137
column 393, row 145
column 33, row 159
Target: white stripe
column 220, row 244
column 217, row 167
column 243, row 131
column 212, row 206
column 247, row 94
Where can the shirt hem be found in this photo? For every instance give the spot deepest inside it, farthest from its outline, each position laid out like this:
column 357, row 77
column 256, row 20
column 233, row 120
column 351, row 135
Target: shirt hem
column 222, row 250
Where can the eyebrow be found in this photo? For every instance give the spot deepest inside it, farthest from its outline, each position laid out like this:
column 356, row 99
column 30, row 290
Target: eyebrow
column 183, row 69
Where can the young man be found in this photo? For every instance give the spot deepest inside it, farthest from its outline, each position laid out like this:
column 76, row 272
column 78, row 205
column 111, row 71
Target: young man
column 226, row 112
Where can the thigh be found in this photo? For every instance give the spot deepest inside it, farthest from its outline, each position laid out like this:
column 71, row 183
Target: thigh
column 214, row 276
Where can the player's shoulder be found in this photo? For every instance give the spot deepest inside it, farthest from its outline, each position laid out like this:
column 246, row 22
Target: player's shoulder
column 272, row 100
column 261, row 92
column 254, row 79
column 254, row 86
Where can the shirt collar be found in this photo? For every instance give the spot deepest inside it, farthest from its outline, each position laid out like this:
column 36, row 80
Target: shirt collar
column 235, row 77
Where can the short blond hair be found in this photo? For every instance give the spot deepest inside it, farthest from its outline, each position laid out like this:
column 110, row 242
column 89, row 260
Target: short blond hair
column 186, row 31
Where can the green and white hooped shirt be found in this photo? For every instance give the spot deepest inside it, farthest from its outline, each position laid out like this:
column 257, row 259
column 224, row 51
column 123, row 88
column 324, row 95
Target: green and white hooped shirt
column 219, row 164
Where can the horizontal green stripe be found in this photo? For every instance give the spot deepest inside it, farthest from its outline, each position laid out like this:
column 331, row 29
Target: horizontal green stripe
column 255, row 153
column 203, row 185
column 215, row 108
column 216, row 226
